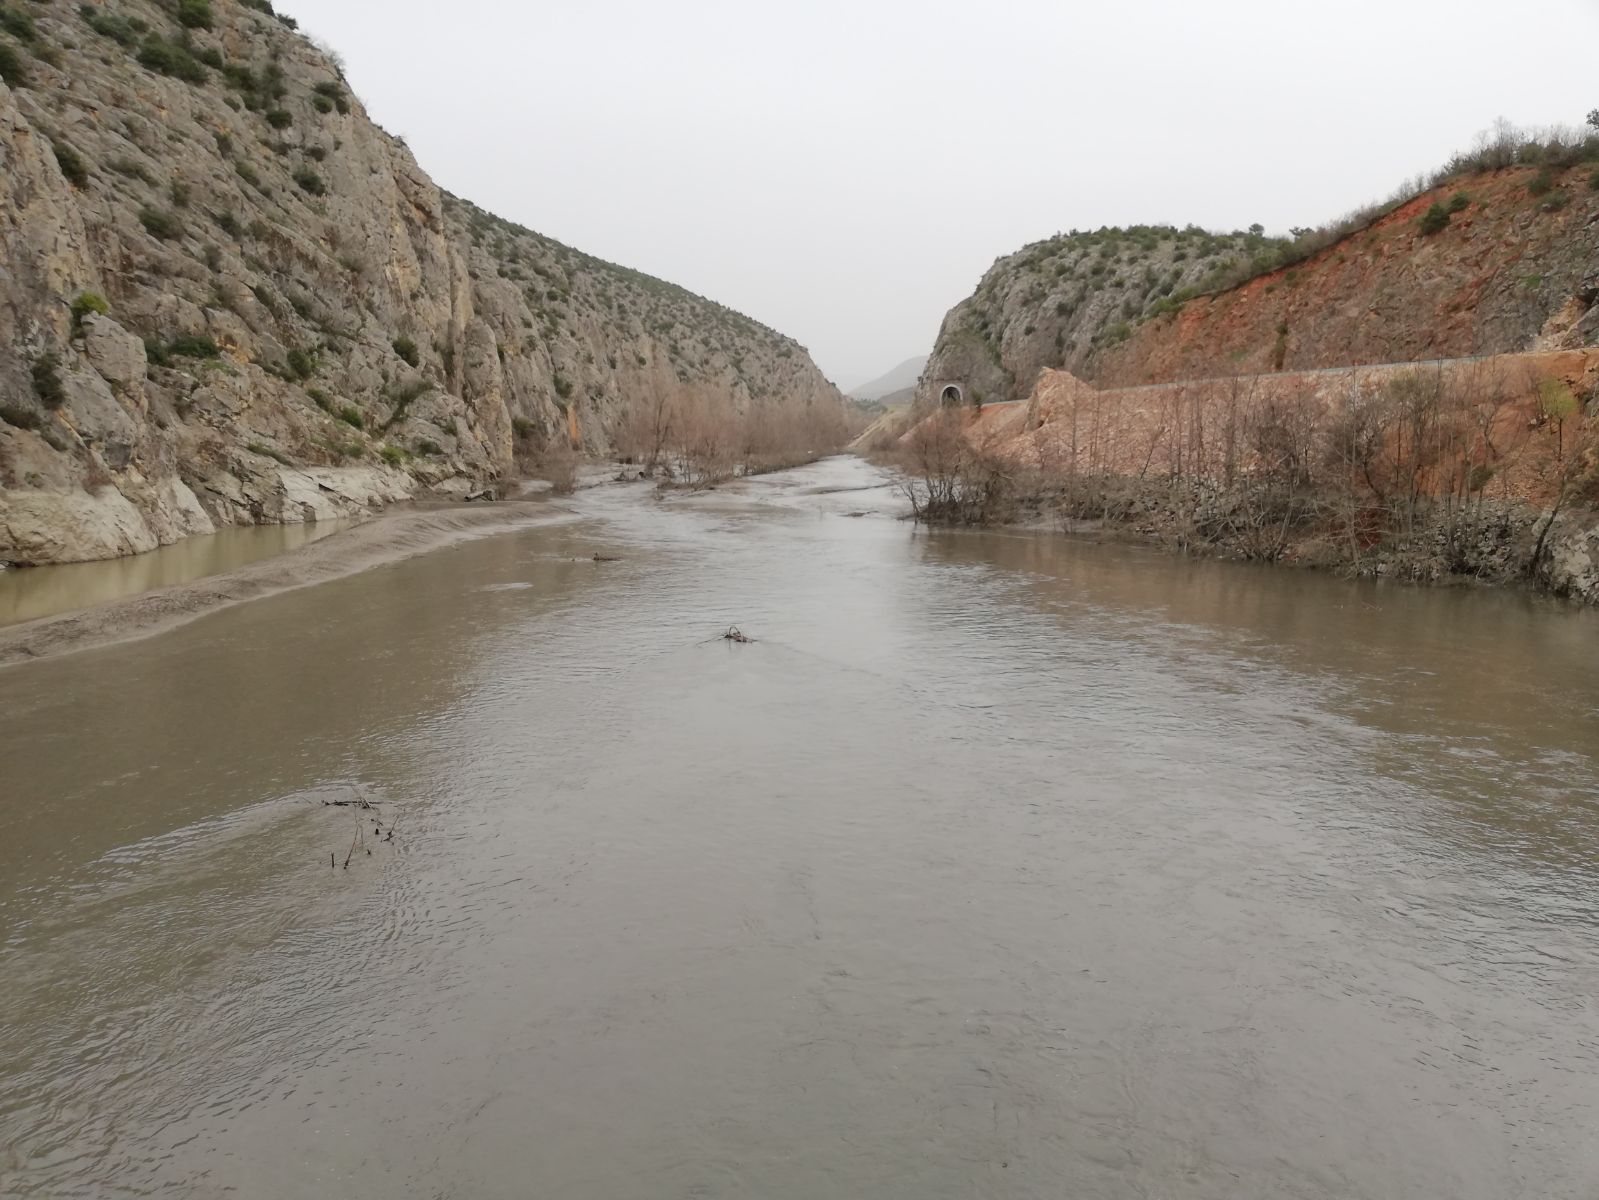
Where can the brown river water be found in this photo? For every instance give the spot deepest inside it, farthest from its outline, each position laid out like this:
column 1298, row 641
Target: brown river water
column 1001, row 864
column 27, row 594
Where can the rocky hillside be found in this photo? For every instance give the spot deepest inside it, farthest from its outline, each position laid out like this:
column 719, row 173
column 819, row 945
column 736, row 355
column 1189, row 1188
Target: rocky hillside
column 1485, row 263
column 226, row 296
column 1508, row 261
column 1060, row 302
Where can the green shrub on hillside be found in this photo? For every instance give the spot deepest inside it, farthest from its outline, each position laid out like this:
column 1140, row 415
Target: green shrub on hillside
column 406, row 349
column 328, row 95
column 301, row 365
column 1434, row 220
column 265, row 6
column 132, row 168
column 194, row 14
column 159, row 224
column 310, row 182
column 170, row 58
column 18, row 24
column 12, row 72
column 1459, row 202
column 20, row 418
column 244, row 81
column 351, row 416
column 279, row 118
column 73, row 168
column 1542, row 183
column 47, row 381
column 118, row 29
column 1593, row 182
column 193, row 345
column 86, row 303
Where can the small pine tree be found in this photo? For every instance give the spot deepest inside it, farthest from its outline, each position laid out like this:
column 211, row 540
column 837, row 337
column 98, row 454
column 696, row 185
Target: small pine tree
column 1434, row 220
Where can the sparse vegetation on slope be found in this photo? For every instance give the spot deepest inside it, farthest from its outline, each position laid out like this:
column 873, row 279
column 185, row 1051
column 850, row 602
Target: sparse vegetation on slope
column 1056, row 303
column 1070, row 301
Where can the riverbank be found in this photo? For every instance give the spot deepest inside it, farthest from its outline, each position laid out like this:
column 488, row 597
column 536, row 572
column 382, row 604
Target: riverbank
column 395, row 534
column 1493, row 543
column 1484, row 469
column 389, row 535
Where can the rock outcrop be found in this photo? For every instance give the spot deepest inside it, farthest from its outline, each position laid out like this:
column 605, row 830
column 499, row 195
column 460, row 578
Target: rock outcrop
column 226, row 296
column 1059, row 303
column 1514, row 267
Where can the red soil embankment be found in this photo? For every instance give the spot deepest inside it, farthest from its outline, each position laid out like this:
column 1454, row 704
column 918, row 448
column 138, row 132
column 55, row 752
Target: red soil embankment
column 1515, row 269
column 1507, row 418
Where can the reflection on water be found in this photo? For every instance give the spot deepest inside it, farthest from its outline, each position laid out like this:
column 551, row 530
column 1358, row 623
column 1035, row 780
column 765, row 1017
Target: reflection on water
column 32, row 592
column 999, row 865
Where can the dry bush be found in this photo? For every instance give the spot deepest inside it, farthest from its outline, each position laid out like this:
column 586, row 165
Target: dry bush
column 703, row 438
column 951, row 480
column 707, row 439
column 556, row 462
column 647, row 426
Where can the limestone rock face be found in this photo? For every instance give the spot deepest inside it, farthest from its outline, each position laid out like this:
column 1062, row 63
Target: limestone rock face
column 1571, row 565
column 299, row 321
column 112, row 351
column 74, row 526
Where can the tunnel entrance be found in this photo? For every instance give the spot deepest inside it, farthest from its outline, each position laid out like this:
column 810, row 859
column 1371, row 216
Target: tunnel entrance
column 950, row 395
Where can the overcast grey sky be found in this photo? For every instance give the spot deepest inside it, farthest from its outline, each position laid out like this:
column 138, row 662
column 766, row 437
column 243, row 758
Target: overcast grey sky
column 845, row 170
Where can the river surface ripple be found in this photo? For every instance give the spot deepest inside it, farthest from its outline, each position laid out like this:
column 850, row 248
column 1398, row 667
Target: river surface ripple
column 1000, row 864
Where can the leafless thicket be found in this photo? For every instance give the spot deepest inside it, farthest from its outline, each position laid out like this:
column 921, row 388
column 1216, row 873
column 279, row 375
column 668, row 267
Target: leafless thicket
column 700, row 437
column 954, row 477
column 1427, row 464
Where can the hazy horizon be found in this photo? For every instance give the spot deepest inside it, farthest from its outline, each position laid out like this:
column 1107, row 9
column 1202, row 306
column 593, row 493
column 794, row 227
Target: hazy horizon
column 847, row 175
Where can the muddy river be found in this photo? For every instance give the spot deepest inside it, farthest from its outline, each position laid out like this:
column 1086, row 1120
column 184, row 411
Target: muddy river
column 27, row 594
column 998, row 865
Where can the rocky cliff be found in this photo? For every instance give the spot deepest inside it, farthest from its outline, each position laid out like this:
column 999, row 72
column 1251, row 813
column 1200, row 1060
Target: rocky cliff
column 1486, row 263
column 226, row 296
column 1061, row 302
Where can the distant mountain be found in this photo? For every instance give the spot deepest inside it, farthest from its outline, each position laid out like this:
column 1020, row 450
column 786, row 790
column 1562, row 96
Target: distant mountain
column 901, row 377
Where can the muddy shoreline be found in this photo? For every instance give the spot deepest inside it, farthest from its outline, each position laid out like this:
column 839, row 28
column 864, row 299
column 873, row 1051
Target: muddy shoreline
column 392, row 535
